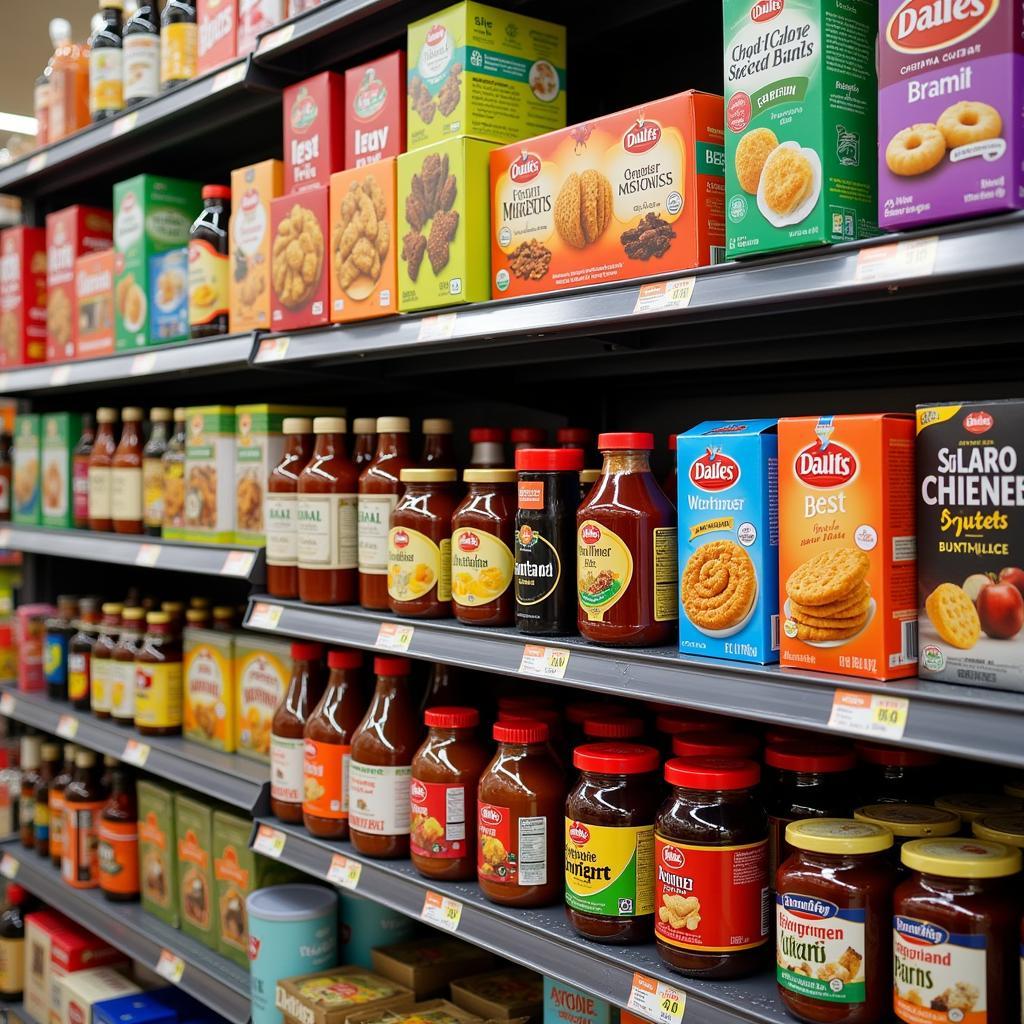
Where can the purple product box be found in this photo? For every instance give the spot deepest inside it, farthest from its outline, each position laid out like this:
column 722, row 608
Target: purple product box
column 950, row 110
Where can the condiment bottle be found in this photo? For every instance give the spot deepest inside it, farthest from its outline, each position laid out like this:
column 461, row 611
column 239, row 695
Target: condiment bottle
column 326, row 518
column 208, row 265
column 619, row 727
column 122, row 667
column 179, row 44
column 176, row 612
column 197, row 618
column 588, row 477
column 287, row 731
column 30, row 759
column 55, row 798
column 101, row 459
column 626, row 550
column 896, row 774
column 527, row 437
column 328, row 746
column 380, row 769
column 41, row 105
column 446, row 685
column 12, row 945
column 483, row 535
column 545, row 543
column 488, row 451
column 101, row 664
column 153, row 471
column 106, row 67
column 141, row 53
column 578, row 712
column 174, row 475
column 6, row 469
column 80, row 652
column 281, row 507
column 126, row 474
column 84, row 801
column 118, row 850
column 446, row 773
column 719, row 743
column 364, row 430
column 60, row 628
column 908, row 822
column 80, row 473
column 420, row 547
column 69, row 82
column 520, row 811
column 225, row 618
column 575, row 437
column 438, row 450
column 159, row 678
column 669, row 724
column 379, row 490
column 49, row 767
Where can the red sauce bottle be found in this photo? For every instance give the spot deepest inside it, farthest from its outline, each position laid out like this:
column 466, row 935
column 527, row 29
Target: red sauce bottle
column 84, row 800
column 101, row 459
column 118, row 850
column 438, row 450
column 126, row 504
column 488, row 450
column 527, row 437
column 364, row 429
column 80, row 473
column 281, row 507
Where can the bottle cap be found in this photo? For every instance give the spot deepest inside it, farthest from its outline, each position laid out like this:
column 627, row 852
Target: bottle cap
column 157, row 619
column 900, row 757
column 392, row 424
column 548, row 460
column 581, row 436
column 712, row 773
column 216, row 192
column 338, row 657
column 910, row 821
column 618, row 728
column 437, row 426
column 296, row 425
column 428, row 476
column 364, row 425
column 478, row 435
column 131, row 414
column 533, row 436
column 385, row 666
column 959, row 858
column 823, row 757
column 520, row 732
column 838, row 835
column 714, row 744
column 616, row 758
column 489, row 476
column 304, row 651
column 106, row 415
column 637, row 440
column 451, row 718
column 330, row 425
column 160, row 414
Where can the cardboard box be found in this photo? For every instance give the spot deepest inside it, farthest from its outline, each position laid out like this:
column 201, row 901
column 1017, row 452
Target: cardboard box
column 800, row 118
column 39, row 929
column 728, row 504
column 252, row 189
column 970, row 543
column 218, row 29
column 314, row 131
column 73, row 949
column 298, row 257
column 94, row 304
column 428, row 965
column 434, row 1011
column 22, row 296
column 81, row 991
column 158, row 873
column 327, row 997
column 26, row 473
column 443, row 259
column 210, row 697
column 364, row 243
column 566, row 1004
column 375, row 110
column 29, row 642
column 210, row 474
column 61, row 431
column 263, row 668
column 643, row 196
column 168, row 289
column 847, row 554
column 140, row 1008
column 479, row 71
column 501, row 995
column 72, row 232
column 193, row 826
column 254, row 17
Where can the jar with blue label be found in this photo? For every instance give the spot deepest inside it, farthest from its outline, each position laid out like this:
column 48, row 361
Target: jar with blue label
column 59, row 631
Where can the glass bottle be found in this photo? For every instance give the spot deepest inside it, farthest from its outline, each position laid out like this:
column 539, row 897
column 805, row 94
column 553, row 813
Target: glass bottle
column 281, row 506
column 101, row 662
column 59, row 631
column 6, row 466
column 118, row 850
column 55, row 798
column 84, row 800
column 106, row 65
column 69, row 82
column 364, row 429
column 438, row 450
column 208, row 265
column 141, row 46
column 12, row 944
column 159, row 678
column 49, row 767
column 179, row 43
column 225, row 618
column 31, row 755
column 527, row 437
column 41, row 105
column 488, row 451
column 101, row 460
column 174, row 475
column 122, row 667
column 80, row 473
column 126, row 474
column 153, row 471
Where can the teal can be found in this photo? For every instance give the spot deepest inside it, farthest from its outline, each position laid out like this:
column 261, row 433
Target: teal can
column 366, row 925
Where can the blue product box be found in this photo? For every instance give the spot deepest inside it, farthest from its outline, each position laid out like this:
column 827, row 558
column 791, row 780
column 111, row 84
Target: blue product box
column 144, row 1008
column 566, row 1004
column 729, row 540
column 168, row 296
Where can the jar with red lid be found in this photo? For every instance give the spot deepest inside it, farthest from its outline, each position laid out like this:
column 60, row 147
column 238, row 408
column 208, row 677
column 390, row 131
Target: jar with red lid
column 527, row 437
column 577, row 712
column 720, row 743
column 896, row 775
column 609, row 842
column 669, row 724
column 711, row 869
column 488, row 448
column 618, row 727
column 535, row 713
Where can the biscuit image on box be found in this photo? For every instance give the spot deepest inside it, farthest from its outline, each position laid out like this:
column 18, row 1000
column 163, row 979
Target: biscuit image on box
column 969, row 121
column 828, row 598
column 954, row 616
column 790, row 184
column 583, row 208
column 915, row 150
column 297, row 257
column 718, row 588
column 752, row 151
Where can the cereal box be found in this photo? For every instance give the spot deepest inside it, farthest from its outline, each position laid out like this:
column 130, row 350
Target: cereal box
column 950, row 134
column 623, row 196
column 61, row 431
column 79, row 992
column 22, row 296
column 94, row 304
column 847, row 556
column 314, row 131
column 475, row 70
column 728, row 506
column 375, row 110
column 970, row 527
column 217, row 32
column 252, row 189
column 262, row 670
column 800, row 99
column 299, row 282
column 193, row 826
column 26, row 472
column 364, row 243
column 445, row 204
column 208, row 711
column 158, row 876
column 210, row 474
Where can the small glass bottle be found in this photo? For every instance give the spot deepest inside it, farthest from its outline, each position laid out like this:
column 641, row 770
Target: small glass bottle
column 364, row 444
column 80, row 652
column 488, row 451
column 208, row 265
column 281, row 507
column 106, row 65
column 122, row 667
column 59, row 631
column 84, row 800
column 438, row 450
column 126, row 474
column 118, row 851
column 159, row 678
column 153, row 471
column 12, row 944
column 80, row 473
column 101, row 460
column 101, row 662
column 141, row 49
column 174, row 476
column 49, row 767
column 527, row 437
column 225, row 618
column 55, row 798
column 179, row 43
column 31, row 755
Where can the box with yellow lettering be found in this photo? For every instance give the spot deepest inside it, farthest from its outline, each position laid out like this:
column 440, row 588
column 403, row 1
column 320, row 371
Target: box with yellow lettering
column 262, row 671
column 210, row 697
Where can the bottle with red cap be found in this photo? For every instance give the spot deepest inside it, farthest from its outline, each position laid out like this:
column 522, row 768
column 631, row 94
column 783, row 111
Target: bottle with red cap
column 520, row 810
column 527, row 437
column 208, row 279
column 669, row 724
column 488, row 451
column 719, row 743
column 897, row 775
column 328, row 746
column 445, row 774
column 576, row 437
column 626, row 558
column 617, row 727
column 12, row 944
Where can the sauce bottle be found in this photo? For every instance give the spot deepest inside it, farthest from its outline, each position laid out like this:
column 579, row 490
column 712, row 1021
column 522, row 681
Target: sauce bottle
column 118, row 851
column 49, row 766
column 438, row 450
column 55, row 798
column 328, row 747
column 287, row 731
column 101, row 459
column 106, row 66
column 379, row 491
column 626, row 550
column 84, row 801
column 153, row 471
column 179, row 43
column 225, row 618
column 41, row 105
column 122, row 666
column 174, row 475
column 101, row 664
column 670, row 481
column 30, row 758
column 59, row 630
column 159, row 678
column 12, row 945
column 6, row 468
column 281, row 507
column 80, row 473
column 447, row 685
column 575, row 437
column 208, row 265
column 126, row 474
column 141, row 46
column 527, row 437
column 176, row 612
column 488, row 450
column 326, row 519
column 69, row 82
column 380, row 769
column 365, row 444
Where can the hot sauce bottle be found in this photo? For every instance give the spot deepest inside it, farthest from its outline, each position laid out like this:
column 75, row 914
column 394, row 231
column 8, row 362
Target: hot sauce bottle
column 100, row 473
column 80, row 473
column 55, row 798
column 106, row 71
column 30, row 758
column 126, row 474
column 122, row 666
column 101, row 662
column 159, row 678
column 364, row 430
column 527, row 437
column 438, row 451
column 80, row 652
column 488, row 448
column 84, row 801
column 118, row 849
column 208, row 270
column 281, row 507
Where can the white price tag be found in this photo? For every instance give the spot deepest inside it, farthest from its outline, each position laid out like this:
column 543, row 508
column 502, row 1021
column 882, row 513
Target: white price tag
column 265, row 616
column 124, row 124
column 271, row 349
column 656, row 1000
column 661, row 295
column 913, row 257
column 5, row 538
column 5, row 379
column 229, row 76
column 441, row 911
column 36, row 163
column 8, row 866
column 135, row 753
column 142, row 363
column 238, row 563
column 344, row 872
column 869, row 714
column 67, row 727
column 7, row 704
column 60, row 375
column 276, row 38
column 269, row 841
column 394, row 636
column 437, row 327
column 170, row 966
column 546, row 662
column 147, row 555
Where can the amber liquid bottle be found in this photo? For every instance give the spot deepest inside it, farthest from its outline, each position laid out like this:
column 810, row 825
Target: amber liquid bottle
column 55, row 798
column 438, row 450
column 153, row 471
column 159, row 678
column 281, row 507
column 364, row 430
column 84, row 800
column 118, row 850
column 30, row 758
column 49, row 767
column 101, row 460
column 122, row 666
column 126, row 474
column 12, row 944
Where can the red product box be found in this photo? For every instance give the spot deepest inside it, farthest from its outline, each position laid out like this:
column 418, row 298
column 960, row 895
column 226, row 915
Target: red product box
column 254, row 17
column 217, row 21
column 375, row 110
column 314, row 131
column 298, row 260
column 22, row 296
column 94, row 304
column 70, row 233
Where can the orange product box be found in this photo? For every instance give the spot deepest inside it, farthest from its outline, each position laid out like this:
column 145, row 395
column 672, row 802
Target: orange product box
column 252, row 189
column 298, row 252
column 314, row 131
column 70, row 233
column 363, row 255
column 94, row 304
column 626, row 195
column 375, row 110
column 22, row 296
column 847, row 545
column 217, row 23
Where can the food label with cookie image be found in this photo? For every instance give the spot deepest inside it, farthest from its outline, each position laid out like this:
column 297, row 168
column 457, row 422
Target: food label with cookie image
column 59, row 430
column 22, row 296
column 604, row 568
column 298, row 251
column 438, row 819
column 511, row 849
column 325, row 779
column 482, row 567
column 210, row 474
column 609, row 871
column 209, row 713
column 262, row 670
column 819, row 948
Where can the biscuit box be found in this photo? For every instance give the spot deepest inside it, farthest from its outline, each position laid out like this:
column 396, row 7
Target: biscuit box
column 299, row 281
column 208, row 710
column 428, row 965
column 94, row 304
column 623, row 196
column 501, row 995
column 950, row 134
column 61, row 431
column 26, row 474
column 729, row 540
column 314, row 131
column 970, row 540
column 800, row 118
column 327, row 997
column 216, row 21
column 252, row 189
column 479, row 71
column 158, row 876
column 22, row 296
column 210, row 474
column 444, row 198
column 847, row 555
column 375, row 110
column 263, row 667
column 193, row 827
column 168, row 290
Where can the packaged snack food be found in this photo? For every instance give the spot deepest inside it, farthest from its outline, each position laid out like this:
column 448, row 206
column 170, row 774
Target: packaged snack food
column 375, row 110
column 216, row 20
column 22, row 296
column 210, row 474
column 60, row 432
column 26, row 477
column 254, row 17
column 252, row 189
column 326, row 997
column 501, row 995
column 428, row 965
column 94, row 304
column 298, row 254
column 262, row 671
column 314, row 130
column 210, row 698
column 566, row 1004
column 193, row 826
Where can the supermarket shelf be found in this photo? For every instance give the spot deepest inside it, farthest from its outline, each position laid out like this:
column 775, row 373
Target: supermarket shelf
column 967, row 721
column 228, row 777
column 131, row 549
column 539, row 939
column 217, row 982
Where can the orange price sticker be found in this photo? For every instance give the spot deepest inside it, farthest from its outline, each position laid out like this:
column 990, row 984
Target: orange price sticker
column 60, row 375
column 344, row 872
column 135, row 753
column 869, row 714
column 394, row 636
column 656, row 1000
column 662, row 295
column 238, row 563
column 147, row 555
column 67, row 727
column 141, row 364
column 36, row 163
column 545, row 662
column 8, row 866
column 170, row 966
column 441, row 911
column 124, row 124
column 228, row 77
column 269, row 841
column 272, row 349
column 7, row 704
column 913, row 257
column 437, row 327
column 265, row 616
column 276, row 38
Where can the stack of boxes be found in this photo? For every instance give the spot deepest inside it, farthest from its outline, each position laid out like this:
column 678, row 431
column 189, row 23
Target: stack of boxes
column 22, row 296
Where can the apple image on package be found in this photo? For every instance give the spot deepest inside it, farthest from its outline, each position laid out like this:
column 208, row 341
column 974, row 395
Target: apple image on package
column 1001, row 610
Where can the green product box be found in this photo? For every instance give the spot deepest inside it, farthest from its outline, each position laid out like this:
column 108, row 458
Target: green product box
column 26, row 475
column 61, row 431
column 444, row 193
column 193, row 825
column 209, row 475
column 152, row 217
column 490, row 74
column 158, row 873
column 801, row 99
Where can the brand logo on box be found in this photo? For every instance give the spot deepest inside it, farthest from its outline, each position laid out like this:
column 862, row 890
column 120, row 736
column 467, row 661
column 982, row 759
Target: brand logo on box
column 672, row 857
column 303, row 112
column 525, row 167
column 370, row 97
column 921, row 25
column 641, row 136
column 468, row 541
column 978, row 422
column 417, row 791
column 579, row 833
column 400, row 539
column 765, row 10
column 436, row 34
column 714, row 471
column 825, row 466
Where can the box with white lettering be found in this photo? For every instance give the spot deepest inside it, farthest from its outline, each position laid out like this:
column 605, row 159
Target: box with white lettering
column 314, row 131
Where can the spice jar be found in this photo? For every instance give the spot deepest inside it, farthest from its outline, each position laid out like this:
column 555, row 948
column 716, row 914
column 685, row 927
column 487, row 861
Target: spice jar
column 446, row 772
column 122, row 666
column 711, row 869
column 483, row 534
column 159, row 678
column 126, row 474
column 972, row 806
column 438, row 451
column 721, row 743
column 101, row 662
column 420, row 547
column 626, row 557
column 609, row 842
column 84, row 801
column 80, row 648
column 60, row 628
column 907, row 822
column 100, row 461
column 118, row 850
column 545, row 544
column 364, row 443
column 833, row 904
column 488, row 448
column 896, row 774
column 281, row 507
column 153, row 471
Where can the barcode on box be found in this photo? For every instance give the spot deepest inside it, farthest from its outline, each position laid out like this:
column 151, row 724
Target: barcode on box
column 717, row 254
column 908, row 644
column 775, row 632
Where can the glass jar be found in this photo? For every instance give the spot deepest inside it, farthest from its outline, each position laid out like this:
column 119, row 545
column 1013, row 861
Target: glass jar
column 669, row 724
column 126, row 474
column 1001, row 828
column 438, row 450
column 84, row 800
column 488, row 448
column 159, row 678
column 579, row 711
column 100, row 462
column 715, row 744
column 588, row 477
column 907, row 822
column 896, row 775
column 101, row 663
column 80, row 648
column 972, row 806
column 281, row 507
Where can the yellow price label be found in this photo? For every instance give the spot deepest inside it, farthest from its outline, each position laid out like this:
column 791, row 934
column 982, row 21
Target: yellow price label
column 869, row 714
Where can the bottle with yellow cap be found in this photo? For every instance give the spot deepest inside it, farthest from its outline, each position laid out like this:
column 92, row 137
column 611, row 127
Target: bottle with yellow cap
column 972, row 806
column 1001, row 828
column 159, row 678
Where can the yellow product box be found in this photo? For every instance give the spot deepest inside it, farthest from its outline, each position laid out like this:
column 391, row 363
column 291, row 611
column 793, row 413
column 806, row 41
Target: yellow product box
column 328, row 997
column 210, row 699
column 433, row 1011
column 252, row 188
column 428, row 965
column 210, row 474
column 262, row 670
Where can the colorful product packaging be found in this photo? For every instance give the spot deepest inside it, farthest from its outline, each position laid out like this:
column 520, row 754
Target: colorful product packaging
column 210, row 474
column 479, row 71
column 327, row 997
column 61, row 431
column 375, row 110
column 254, row 17
column 432, row 1011
column 26, row 473
column 314, row 131
column 78, row 993
column 210, row 696
column 365, row 925
column 168, row 288
column 298, row 277
column 729, row 540
column 252, row 189
column 22, row 296
column 800, row 119
column 623, row 196
column 501, row 995
column 262, row 670
column 193, row 826
column 30, row 640
column 566, row 1004
column 847, row 549
column 970, row 541
column 94, row 304
column 217, row 22
column 158, row 874
column 428, row 965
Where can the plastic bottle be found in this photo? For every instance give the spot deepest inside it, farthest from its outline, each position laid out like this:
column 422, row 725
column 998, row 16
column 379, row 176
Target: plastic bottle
column 69, row 82
column 106, row 63
column 12, row 945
